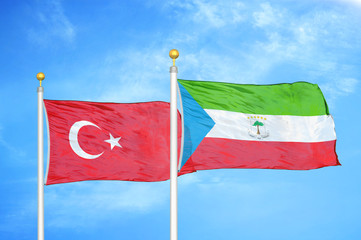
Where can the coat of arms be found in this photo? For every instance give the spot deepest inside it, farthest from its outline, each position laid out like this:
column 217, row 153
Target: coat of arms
column 257, row 127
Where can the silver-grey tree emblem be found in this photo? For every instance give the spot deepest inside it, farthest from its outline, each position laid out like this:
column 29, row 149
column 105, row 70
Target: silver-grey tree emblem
column 258, row 127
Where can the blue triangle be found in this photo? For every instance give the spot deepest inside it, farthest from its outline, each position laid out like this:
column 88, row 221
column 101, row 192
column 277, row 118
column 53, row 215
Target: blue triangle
column 197, row 124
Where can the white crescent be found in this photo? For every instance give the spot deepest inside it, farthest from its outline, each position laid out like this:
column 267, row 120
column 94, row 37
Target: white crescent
column 73, row 139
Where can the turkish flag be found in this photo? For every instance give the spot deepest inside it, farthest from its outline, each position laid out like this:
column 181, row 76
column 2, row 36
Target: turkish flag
column 109, row 141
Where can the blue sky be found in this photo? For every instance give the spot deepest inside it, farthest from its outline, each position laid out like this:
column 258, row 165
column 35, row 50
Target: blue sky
column 118, row 51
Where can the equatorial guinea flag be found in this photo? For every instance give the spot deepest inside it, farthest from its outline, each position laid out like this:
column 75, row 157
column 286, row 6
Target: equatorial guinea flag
column 281, row 126
column 108, row 141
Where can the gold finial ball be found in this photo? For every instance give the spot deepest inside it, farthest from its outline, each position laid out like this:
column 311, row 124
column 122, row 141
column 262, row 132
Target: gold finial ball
column 173, row 53
column 40, row 76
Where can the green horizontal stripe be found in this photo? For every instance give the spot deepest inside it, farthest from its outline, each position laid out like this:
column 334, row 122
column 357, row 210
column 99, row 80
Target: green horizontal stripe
column 298, row 99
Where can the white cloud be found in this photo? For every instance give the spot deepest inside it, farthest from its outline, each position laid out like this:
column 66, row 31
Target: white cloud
column 121, row 75
column 284, row 37
column 208, row 65
column 348, row 85
column 218, row 15
column 353, row 2
column 215, row 14
column 311, row 41
column 268, row 16
column 341, row 87
column 304, row 34
column 338, row 87
column 52, row 24
column 132, row 76
column 14, row 151
column 305, row 41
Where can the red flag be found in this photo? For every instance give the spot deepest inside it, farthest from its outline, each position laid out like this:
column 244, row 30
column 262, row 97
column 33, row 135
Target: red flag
column 108, row 141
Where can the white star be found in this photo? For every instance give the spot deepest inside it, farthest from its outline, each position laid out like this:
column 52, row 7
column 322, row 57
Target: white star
column 113, row 141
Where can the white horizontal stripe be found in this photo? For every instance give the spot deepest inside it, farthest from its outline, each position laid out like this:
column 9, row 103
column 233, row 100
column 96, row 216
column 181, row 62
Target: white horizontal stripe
column 277, row 128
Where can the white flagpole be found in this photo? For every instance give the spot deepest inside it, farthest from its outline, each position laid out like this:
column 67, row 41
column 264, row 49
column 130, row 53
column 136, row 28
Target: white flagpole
column 40, row 76
column 173, row 148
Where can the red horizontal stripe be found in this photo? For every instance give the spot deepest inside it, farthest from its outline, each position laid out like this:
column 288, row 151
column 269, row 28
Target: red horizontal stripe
column 215, row 153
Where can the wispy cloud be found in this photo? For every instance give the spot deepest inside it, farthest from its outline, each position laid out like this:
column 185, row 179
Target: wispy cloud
column 121, row 75
column 352, row 2
column 267, row 16
column 87, row 203
column 18, row 221
column 237, row 196
column 348, row 85
column 311, row 41
column 132, row 76
column 339, row 88
column 314, row 42
column 214, row 14
column 52, row 23
column 13, row 151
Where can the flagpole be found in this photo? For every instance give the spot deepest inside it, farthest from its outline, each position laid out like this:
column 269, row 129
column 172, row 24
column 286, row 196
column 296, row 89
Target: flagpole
column 40, row 76
column 173, row 148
